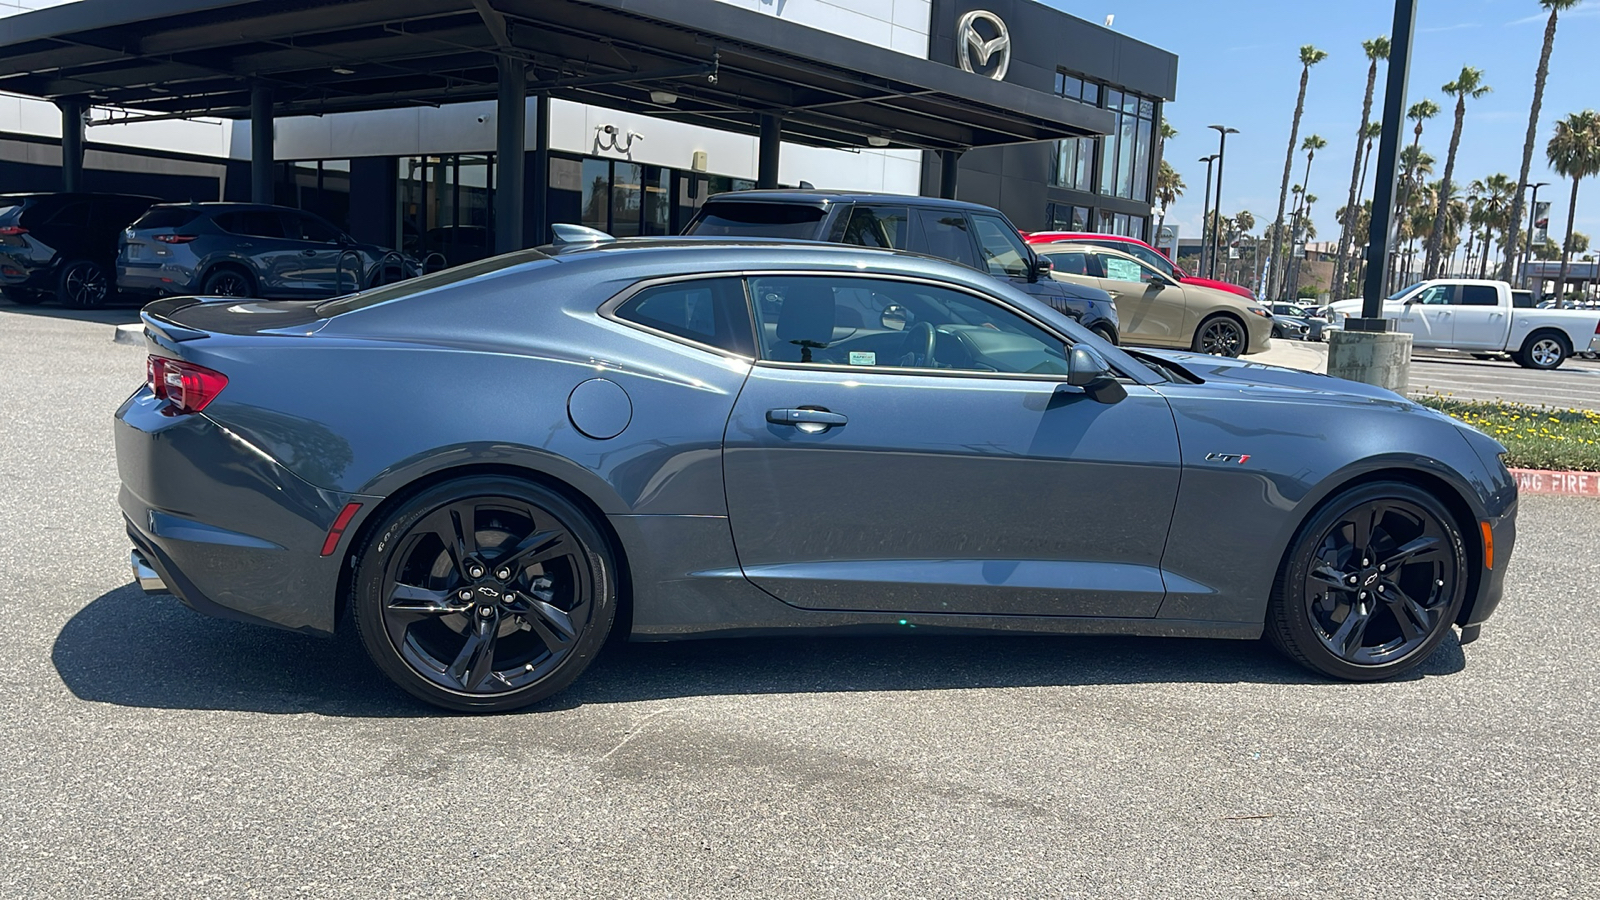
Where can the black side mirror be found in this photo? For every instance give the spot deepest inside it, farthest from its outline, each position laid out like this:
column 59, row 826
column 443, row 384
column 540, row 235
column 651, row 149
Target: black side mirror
column 1089, row 370
column 1041, row 268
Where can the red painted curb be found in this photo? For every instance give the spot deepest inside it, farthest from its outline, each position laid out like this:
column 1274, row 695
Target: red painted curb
column 1566, row 484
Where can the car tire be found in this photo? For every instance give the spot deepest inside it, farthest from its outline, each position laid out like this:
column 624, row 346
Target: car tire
column 82, row 284
column 1105, row 334
column 440, row 618
column 1225, row 335
column 228, row 281
column 23, row 297
column 1544, row 350
column 1345, row 600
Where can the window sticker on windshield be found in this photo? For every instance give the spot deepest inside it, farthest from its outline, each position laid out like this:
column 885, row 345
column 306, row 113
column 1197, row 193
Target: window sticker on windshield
column 863, row 358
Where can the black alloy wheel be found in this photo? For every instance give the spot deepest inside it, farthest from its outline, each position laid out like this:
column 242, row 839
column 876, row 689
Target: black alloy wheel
column 485, row 594
column 1372, row 584
column 1220, row 336
column 83, row 285
column 227, row 283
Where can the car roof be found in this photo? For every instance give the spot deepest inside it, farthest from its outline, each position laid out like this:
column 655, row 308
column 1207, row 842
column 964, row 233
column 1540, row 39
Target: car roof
column 824, row 198
column 72, row 195
column 1085, row 235
column 216, row 206
column 1058, row 246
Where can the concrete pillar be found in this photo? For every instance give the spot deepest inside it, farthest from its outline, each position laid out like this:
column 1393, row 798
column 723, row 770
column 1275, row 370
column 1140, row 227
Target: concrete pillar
column 71, row 144
column 1382, row 358
column 767, row 154
column 949, row 173
column 539, row 187
column 261, row 174
column 510, row 121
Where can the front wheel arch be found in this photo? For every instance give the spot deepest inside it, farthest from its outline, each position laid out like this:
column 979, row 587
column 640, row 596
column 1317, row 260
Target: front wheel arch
column 378, row 514
column 1465, row 517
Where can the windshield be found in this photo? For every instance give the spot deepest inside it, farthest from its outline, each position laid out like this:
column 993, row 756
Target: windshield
column 1403, row 291
column 768, row 220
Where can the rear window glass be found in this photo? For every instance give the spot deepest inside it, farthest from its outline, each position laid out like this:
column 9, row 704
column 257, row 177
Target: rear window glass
column 1479, row 295
column 770, row 220
column 1519, row 299
column 166, row 218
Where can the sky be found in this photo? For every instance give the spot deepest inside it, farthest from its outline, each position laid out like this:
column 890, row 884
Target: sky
column 1238, row 65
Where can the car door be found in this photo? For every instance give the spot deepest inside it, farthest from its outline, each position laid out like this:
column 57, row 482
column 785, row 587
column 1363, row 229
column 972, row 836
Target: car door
column 259, row 240
column 1429, row 316
column 1480, row 322
column 315, row 271
column 911, row 446
column 1149, row 307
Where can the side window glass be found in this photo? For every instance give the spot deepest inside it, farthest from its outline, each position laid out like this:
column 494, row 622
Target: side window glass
column 1119, row 269
column 252, row 223
column 1479, row 295
column 945, row 234
column 1438, row 295
column 883, row 323
column 1003, row 250
column 710, row 311
column 311, row 229
column 1150, row 258
column 879, row 226
column 1069, row 262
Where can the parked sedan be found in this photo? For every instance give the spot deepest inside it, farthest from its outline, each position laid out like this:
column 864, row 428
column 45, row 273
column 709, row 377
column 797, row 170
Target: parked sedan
column 1141, row 251
column 62, row 245
column 692, row 439
column 1156, row 311
column 1296, row 323
column 248, row 250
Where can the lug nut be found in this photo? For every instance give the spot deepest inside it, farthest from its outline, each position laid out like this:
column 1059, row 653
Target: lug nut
column 1382, row 567
column 1380, row 588
column 465, row 595
column 1354, row 579
column 475, row 571
column 1361, row 596
column 485, row 611
column 503, row 574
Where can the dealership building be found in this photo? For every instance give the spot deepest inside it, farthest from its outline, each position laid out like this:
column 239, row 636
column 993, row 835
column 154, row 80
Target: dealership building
column 392, row 118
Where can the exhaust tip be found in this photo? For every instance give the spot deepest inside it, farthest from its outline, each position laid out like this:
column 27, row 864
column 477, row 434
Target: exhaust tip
column 144, row 576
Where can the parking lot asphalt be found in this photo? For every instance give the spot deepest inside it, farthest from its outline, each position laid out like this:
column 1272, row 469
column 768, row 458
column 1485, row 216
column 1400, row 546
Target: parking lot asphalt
column 150, row 752
column 1575, row 385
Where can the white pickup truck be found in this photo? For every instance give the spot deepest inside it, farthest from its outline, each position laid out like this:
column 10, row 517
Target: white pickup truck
column 1484, row 317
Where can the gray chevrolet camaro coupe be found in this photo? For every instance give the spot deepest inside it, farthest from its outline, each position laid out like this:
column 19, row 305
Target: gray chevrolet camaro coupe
column 494, row 466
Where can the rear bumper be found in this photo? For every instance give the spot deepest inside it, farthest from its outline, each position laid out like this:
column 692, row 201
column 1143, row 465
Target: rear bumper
column 154, row 279
column 224, row 527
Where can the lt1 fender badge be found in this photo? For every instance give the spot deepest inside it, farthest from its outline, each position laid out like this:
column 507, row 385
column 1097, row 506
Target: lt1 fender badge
column 1240, row 458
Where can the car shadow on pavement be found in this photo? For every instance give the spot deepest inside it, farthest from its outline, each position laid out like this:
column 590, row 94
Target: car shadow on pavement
column 117, row 312
column 128, row 649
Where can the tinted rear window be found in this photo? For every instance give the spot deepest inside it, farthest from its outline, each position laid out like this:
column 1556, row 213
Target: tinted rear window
column 771, row 220
column 166, row 218
column 1522, row 299
column 1479, row 295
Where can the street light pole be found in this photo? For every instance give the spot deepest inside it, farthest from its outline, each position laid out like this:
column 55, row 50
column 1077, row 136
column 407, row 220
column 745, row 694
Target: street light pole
column 1533, row 214
column 1222, row 150
column 1205, row 217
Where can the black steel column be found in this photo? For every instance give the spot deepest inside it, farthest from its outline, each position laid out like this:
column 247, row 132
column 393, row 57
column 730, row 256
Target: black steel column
column 1381, row 238
column 510, row 121
column 949, row 173
column 261, row 180
column 767, row 154
column 539, row 190
column 71, row 144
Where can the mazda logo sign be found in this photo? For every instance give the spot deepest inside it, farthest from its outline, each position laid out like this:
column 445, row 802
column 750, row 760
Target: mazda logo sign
column 975, row 51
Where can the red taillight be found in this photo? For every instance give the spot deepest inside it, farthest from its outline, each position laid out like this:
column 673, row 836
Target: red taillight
column 1597, row 328
column 9, row 230
column 339, row 525
column 188, row 388
column 175, row 238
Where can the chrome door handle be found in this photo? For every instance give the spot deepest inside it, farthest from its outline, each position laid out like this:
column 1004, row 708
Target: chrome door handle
column 308, row 253
column 810, row 421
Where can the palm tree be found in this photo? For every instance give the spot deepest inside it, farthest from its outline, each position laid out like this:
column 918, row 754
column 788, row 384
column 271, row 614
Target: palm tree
column 1309, row 56
column 1374, row 131
column 1377, row 50
column 1574, row 152
column 1494, row 207
column 1420, row 112
column 1310, row 145
column 1514, row 227
column 1169, row 187
column 1468, row 84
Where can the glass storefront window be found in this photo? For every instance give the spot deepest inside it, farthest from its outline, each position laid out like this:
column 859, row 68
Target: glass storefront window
column 596, row 181
column 447, row 206
column 1118, row 165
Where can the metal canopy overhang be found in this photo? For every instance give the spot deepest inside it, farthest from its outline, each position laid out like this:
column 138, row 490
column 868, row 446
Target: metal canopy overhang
column 176, row 58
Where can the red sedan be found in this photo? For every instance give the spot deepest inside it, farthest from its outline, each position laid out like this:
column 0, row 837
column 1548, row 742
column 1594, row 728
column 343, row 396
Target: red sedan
column 1142, row 251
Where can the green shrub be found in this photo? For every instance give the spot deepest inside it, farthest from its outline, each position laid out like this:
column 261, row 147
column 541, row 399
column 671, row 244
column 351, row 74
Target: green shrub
column 1536, row 437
